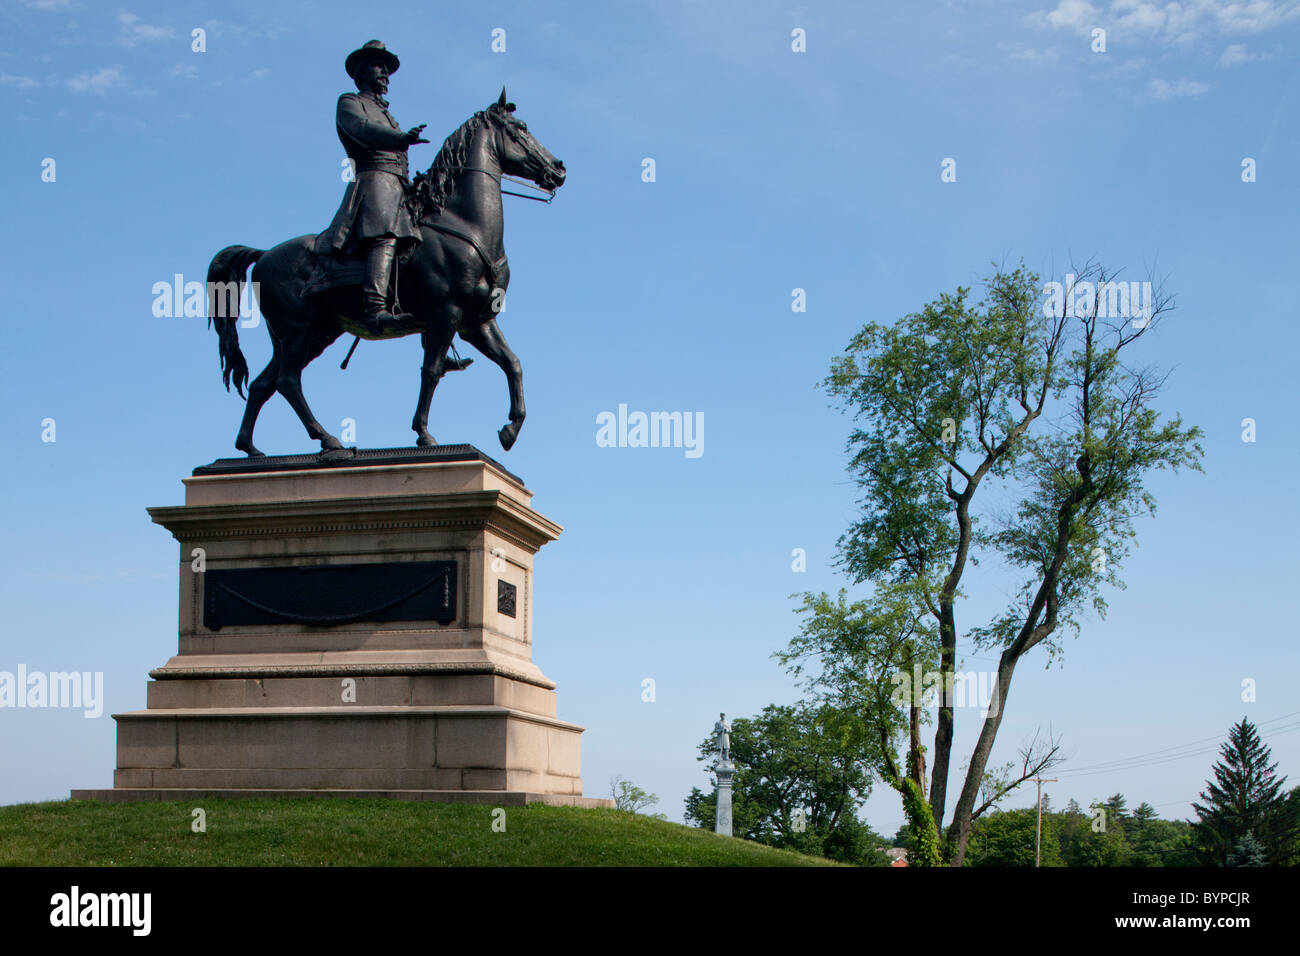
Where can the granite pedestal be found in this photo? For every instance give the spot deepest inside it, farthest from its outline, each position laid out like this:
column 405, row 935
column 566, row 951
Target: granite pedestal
column 353, row 627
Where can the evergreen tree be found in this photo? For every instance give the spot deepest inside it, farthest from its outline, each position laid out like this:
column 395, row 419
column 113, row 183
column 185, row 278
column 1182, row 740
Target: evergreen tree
column 1244, row 799
column 1116, row 808
column 1247, row 852
column 1143, row 815
column 1293, row 808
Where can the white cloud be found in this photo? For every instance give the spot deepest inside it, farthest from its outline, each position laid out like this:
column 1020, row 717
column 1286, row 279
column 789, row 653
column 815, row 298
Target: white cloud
column 1254, row 16
column 22, row 82
column 1235, row 55
column 99, row 82
column 1077, row 15
column 187, row 71
column 1141, row 15
column 1029, row 54
column 1178, row 21
column 228, row 28
column 1164, row 90
column 133, row 31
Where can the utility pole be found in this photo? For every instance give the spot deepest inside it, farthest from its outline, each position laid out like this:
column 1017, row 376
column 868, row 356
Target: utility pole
column 1038, row 840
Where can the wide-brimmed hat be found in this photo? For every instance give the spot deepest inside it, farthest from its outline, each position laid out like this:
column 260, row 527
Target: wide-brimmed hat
column 373, row 49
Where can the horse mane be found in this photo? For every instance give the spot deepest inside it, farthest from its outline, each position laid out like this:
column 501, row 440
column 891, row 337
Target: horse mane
column 432, row 188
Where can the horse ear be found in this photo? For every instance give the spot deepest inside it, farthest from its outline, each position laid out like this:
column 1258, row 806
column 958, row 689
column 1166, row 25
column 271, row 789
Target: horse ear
column 501, row 100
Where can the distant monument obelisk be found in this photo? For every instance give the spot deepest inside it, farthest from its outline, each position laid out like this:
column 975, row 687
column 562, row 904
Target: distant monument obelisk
column 725, row 770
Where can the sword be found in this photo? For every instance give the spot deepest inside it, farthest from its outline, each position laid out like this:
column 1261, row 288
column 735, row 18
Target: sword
column 348, row 357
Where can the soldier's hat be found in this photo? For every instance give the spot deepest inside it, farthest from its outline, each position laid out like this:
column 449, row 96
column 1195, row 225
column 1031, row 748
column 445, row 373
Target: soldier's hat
column 373, row 49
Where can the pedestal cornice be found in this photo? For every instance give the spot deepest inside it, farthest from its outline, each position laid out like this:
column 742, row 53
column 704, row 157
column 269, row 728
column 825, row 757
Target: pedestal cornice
column 468, row 510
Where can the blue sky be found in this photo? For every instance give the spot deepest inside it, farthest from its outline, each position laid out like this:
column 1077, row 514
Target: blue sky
column 775, row 170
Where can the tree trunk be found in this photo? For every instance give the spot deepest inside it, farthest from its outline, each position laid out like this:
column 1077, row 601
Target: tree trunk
column 915, row 756
column 944, row 730
column 948, row 658
column 959, row 831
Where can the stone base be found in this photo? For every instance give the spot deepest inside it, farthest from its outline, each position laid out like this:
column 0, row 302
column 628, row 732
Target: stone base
column 371, row 748
column 492, row 798
column 424, row 704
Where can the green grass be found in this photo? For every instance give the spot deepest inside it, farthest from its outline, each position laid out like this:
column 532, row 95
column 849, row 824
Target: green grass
column 360, row 832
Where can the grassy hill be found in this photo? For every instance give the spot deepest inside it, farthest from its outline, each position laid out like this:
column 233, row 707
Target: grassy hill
column 359, row 832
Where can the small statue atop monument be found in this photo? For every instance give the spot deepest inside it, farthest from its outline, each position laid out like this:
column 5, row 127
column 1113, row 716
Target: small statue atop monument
column 722, row 734
column 723, row 769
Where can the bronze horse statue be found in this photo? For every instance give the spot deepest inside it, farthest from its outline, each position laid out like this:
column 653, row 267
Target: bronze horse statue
column 452, row 283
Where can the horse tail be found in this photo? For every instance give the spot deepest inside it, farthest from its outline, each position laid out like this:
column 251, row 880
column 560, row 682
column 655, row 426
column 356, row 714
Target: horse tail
column 226, row 276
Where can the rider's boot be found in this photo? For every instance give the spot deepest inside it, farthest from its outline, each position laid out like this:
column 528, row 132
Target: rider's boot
column 374, row 290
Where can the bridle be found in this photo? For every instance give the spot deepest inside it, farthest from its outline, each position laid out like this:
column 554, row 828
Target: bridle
column 550, row 193
column 497, row 177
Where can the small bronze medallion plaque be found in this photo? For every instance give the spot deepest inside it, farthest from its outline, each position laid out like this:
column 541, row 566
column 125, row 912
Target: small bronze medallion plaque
column 329, row 595
column 506, row 598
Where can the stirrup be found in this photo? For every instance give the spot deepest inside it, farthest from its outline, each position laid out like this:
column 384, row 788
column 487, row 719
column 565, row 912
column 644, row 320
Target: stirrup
column 381, row 321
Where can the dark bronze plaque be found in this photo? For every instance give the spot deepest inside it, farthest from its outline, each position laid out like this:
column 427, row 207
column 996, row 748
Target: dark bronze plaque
column 506, row 598
column 328, row 595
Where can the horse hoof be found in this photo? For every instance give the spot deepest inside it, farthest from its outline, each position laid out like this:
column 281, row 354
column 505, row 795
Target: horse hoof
column 507, row 436
column 249, row 449
column 426, row 441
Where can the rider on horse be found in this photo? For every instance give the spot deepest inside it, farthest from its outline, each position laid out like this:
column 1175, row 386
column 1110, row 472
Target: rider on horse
column 373, row 220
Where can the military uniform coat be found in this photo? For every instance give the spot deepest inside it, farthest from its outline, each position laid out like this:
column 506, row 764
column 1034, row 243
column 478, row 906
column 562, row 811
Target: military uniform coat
column 373, row 206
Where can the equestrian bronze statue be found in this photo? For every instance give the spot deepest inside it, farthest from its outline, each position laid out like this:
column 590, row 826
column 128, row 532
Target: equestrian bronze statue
column 399, row 259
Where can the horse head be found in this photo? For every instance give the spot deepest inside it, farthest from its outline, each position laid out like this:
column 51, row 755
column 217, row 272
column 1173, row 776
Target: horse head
column 519, row 152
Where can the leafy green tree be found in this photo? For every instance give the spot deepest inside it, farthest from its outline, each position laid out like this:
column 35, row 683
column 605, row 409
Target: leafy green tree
column 1137, row 839
column 1162, row 843
column 802, row 773
column 1099, row 840
column 1040, row 404
column 1108, row 835
column 1245, row 797
column 1156, row 842
column 631, row 798
column 903, row 838
column 1007, row 838
column 870, row 658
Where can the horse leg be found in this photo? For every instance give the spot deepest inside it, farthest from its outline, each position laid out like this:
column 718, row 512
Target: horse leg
column 431, row 372
column 259, row 392
column 488, row 339
column 289, row 383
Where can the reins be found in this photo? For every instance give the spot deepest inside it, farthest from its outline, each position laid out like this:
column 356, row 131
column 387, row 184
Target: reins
column 550, row 193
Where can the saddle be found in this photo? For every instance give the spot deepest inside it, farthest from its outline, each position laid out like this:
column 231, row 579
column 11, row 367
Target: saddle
column 331, row 271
